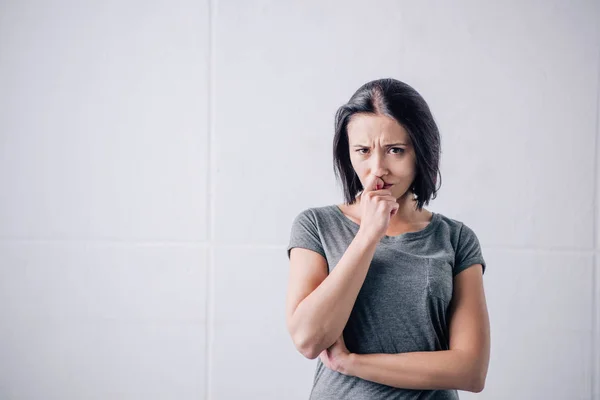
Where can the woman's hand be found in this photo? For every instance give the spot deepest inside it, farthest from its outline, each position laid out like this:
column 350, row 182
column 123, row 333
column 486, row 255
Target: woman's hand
column 377, row 206
column 337, row 356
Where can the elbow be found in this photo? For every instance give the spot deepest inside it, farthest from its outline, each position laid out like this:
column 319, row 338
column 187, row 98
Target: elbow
column 310, row 340
column 476, row 382
column 309, row 353
column 310, row 344
column 478, row 388
column 307, row 347
column 473, row 375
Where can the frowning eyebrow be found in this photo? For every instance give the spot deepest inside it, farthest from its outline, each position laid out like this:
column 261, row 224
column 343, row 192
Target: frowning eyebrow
column 387, row 145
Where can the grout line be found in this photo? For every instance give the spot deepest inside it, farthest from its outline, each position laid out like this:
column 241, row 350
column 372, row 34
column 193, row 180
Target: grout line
column 103, row 241
column 211, row 243
column 211, row 183
column 595, row 273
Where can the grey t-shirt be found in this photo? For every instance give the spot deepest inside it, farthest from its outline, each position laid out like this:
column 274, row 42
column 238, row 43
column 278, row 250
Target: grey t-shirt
column 403, row 303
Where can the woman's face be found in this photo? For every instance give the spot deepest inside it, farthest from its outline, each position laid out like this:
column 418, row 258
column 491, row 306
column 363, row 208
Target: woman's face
column 379, row 145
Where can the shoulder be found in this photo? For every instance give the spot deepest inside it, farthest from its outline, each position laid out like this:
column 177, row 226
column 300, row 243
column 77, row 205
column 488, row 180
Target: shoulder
column 457, row 229
column 451, row 224
column 316, row 213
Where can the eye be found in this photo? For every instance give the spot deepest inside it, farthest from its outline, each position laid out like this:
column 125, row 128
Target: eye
column 400, row 150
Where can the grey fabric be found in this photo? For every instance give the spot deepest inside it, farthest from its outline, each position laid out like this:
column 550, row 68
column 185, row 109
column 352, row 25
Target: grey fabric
column 403, row 303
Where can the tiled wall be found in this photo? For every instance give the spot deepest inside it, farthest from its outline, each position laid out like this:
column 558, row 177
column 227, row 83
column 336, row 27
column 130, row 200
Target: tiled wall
column 154, row 154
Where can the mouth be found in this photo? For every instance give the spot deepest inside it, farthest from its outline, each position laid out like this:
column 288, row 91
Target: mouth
column 387, row 185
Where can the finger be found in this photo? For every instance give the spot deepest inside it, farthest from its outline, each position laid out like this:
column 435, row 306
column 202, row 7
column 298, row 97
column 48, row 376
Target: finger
column 368, row 185
column 373, row 183
column 323, row 357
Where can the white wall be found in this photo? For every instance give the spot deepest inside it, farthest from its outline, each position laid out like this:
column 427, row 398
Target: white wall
column 153, row 156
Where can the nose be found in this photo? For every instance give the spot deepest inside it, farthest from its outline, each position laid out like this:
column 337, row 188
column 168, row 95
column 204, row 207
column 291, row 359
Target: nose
column 378, row 167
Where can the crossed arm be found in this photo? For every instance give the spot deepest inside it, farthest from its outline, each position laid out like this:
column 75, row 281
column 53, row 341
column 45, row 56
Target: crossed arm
column 463, row 367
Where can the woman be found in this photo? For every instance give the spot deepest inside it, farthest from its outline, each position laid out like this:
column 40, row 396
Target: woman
column 388, row 295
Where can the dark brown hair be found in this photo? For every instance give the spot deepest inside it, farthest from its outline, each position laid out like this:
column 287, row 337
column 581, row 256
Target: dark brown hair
column 400, row 101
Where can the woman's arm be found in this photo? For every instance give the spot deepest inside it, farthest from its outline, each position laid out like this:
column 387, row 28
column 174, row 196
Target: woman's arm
column 449, row 369
column 317, row 315
column 463, row 367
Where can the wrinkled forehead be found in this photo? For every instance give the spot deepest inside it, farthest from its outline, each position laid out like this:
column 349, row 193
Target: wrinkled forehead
column 369, row 129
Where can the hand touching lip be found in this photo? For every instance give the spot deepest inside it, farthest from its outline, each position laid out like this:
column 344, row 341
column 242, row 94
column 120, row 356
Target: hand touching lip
column 385, row 186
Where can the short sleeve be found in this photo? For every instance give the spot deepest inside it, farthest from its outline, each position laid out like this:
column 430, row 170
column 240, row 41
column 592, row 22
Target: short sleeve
column 468, row 251
column 304, row 233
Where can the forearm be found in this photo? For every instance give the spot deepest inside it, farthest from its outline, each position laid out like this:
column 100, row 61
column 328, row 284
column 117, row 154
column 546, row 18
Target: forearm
column 447, row 369
column 321, row 317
